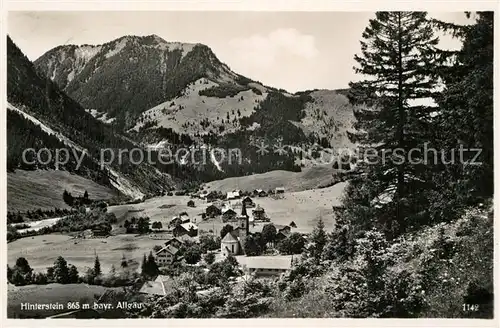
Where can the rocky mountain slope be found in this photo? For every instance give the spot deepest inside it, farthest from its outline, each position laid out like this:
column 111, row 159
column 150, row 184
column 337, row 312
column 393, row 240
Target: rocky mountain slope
column 146, row 83
column 158, row 92
column 40, row 116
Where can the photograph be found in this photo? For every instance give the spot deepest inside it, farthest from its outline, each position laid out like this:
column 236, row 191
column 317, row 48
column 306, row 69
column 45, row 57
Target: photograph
column 249, row 164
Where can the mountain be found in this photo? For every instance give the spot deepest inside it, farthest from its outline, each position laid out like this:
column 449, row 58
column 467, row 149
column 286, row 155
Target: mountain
column 156, row 91
column 40, row 116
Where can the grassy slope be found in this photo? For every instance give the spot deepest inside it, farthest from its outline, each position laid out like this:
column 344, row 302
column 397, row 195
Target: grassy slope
column 42, row 251
column 30, row 190
column 472, row 237
column 309, row 178
column 303, row 207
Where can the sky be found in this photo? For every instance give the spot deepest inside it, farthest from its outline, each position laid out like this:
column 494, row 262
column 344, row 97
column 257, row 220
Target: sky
column 290, row 50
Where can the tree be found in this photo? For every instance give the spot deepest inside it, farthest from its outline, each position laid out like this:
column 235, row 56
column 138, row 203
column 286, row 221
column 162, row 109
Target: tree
column 192, row 255
column 97, row 266
column 209, row 243
column 293, row 244
column 144, row 266
column 399, row 56
column 151, row 266
column 68, row 198
column 22, row 265
column 251, row 246
column 124, row 263
column 209, row 258
column 318, row 238
column 269, row 233
column 18, row 278
column 61, row 271
column 86, row 195
column 157, row 225
column 73, row 274
column 466, row 118
column 227, row 228
column 10, row 272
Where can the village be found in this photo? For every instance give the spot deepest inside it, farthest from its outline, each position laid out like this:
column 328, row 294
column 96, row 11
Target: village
column 258, row 233
column 242, row 219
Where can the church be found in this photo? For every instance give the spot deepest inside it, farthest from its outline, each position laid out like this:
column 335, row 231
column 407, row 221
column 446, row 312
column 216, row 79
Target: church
column 233, row 242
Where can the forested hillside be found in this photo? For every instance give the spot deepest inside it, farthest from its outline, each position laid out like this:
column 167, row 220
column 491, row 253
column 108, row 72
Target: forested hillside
column 42, row 116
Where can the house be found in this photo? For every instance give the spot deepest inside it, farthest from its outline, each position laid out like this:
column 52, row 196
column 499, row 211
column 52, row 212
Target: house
column 248, row 202
column 279, row 190
column 265, row 266
column 259, row 214
column 211, row 196
column 166, row 256
column 259, row 193
column 213, row 211
column 282, row 234
column 175, row 221
column 162, row 285
column 187, row 228
column 280, row 227
column 235, row 194
column 176, row 242
column 228, row 214
column 184, row 217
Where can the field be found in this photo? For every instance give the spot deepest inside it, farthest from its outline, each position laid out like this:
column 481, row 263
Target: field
column 30, row 190
column 303, row 207
column 309, row 178
column 42, row 251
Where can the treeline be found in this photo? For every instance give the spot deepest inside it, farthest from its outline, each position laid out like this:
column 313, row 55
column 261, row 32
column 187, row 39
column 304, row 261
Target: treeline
column 36, row 215
column 223, row 90
column 63, row 273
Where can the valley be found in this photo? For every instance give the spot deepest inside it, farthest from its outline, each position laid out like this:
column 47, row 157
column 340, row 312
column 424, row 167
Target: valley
column 302, row 207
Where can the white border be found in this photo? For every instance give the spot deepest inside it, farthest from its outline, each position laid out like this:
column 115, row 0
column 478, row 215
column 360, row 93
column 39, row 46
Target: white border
column 241, row 5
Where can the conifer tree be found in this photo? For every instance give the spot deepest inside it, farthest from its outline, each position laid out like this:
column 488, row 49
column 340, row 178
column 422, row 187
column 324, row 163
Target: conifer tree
column 319, row 239
column 466, row 113
column 97, row 266
column 398, row 58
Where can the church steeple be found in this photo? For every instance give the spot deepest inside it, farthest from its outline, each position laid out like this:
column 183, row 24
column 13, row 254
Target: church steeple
column 244, row 210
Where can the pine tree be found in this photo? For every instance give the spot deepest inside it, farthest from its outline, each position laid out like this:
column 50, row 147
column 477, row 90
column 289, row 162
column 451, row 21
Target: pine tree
column 398, row 54
column 97, row 266
column 73, row 274
column 319, row 239
column 467, row 112
column 144, row 268
column 61, row 271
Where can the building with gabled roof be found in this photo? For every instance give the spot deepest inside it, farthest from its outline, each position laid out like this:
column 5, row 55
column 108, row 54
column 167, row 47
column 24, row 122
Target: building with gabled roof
column 188, row 228
column 166, row 255
column 235, row 194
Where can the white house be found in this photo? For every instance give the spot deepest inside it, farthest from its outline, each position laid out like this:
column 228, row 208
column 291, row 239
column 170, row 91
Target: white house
column 166, row 256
